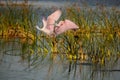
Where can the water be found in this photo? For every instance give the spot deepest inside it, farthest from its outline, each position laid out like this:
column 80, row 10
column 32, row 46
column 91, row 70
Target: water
column 12, row 67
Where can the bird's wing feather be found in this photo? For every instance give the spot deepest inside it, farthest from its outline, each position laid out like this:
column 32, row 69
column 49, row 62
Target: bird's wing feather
column 51, row 20
column 64, row 26
column 48, row 25
column 54, row 17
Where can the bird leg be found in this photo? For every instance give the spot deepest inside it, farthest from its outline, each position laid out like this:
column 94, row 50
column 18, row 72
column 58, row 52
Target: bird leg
column 55, row 25
column 54, row 45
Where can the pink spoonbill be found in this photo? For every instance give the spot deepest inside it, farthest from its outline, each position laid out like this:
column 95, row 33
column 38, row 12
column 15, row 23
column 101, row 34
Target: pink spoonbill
column 50, row 26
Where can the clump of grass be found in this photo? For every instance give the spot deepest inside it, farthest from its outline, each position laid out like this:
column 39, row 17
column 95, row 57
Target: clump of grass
column 98, row 33
column 96, row 41
column 17, row 24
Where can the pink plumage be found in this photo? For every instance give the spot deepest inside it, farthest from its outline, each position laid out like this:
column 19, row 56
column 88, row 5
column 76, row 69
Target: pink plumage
column 64, row 26
column 49, row 23
column 51, row 28
column 51, row 19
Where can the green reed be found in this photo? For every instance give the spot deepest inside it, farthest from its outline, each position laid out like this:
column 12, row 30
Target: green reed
column 98, row 34
column 16, row 26
column 96, row 41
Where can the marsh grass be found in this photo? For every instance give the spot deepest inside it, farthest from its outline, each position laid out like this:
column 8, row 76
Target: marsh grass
column 16, row 25
column 96, row 42
column 97, row 38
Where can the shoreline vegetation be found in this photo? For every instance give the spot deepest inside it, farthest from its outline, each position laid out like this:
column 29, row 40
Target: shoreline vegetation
column 96, row 41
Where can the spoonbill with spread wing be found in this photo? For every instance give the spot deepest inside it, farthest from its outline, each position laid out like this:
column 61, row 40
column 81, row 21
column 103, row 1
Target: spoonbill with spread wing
column 50, row 26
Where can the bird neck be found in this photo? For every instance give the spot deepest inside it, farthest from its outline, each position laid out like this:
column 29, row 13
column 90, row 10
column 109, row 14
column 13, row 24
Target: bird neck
column 42, row 29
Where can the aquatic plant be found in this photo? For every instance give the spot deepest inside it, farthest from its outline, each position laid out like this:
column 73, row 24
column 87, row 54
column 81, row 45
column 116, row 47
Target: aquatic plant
column 96, row 41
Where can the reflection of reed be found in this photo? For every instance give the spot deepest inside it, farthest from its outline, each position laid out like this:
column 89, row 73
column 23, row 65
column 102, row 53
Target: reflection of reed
column 110, row 70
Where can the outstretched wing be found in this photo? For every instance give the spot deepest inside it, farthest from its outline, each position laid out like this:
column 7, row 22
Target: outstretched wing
column 51, row 20
column 48, row 25
column 64, row 26
column 53, row 17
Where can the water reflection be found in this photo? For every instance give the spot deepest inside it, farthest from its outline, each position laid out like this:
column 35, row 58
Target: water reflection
column 45, row 67
column 11, row 68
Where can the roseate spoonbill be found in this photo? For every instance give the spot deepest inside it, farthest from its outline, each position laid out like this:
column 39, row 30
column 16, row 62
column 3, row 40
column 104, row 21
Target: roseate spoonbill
column 50, row 26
